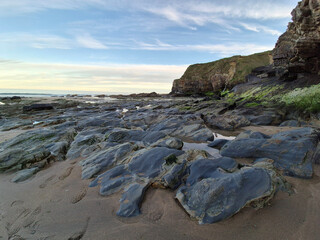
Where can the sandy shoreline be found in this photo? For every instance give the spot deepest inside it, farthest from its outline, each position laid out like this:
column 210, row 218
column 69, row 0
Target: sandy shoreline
column 57, row 204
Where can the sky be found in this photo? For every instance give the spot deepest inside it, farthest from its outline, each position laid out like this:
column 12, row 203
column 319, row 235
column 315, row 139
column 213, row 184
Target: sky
column 127, row 46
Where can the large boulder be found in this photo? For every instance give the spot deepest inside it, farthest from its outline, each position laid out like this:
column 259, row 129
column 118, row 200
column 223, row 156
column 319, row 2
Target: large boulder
column 292, row 151
column 216, row 189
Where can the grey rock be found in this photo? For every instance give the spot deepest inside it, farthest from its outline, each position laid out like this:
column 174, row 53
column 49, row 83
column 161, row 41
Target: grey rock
column 131, row 199
column 34, row 146
column 113, row 180
column 84, row 140
column 219, row 197
column 173, row 178
column 24, row 174
column 292, row 151
column 102, row 160
column 206, row 168
column 228, row 121
column 174, row 143
column 149, row 163
column 316, row 156
column 290, row 123
column 37, row 107
column 125, row 135
column 219, row 143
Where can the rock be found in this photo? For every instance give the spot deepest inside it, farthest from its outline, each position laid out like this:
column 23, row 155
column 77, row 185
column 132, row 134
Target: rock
column 228, row 121
column 125, row 135
column 105, row 159
column 194, row 132
column 24, row 174
column 290, row 123
column 298, row 49
column 37, row 107
column 34, row 146
column 131, row 199
column 215, row 76
column 251, row 134
column 219, row 143
column 212, row 196
column 316, row 156
column 206, row 168
column 149, row 163
column 265, row 118
column 113, row 180
column 15, row 98
column 111, row 120
column 292, row 151
column 173, row 178
column 84, row 141
column 174, row 143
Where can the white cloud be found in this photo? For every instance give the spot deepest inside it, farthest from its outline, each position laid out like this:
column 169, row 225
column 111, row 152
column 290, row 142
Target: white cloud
column 52, row 41
column 109, row 78
column 259, row 28
column 88, row 41
column 221, row 49
column 257, row 9
column 36, row 41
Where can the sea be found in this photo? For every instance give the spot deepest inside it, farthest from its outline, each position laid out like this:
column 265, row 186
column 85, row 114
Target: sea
column 45, row 93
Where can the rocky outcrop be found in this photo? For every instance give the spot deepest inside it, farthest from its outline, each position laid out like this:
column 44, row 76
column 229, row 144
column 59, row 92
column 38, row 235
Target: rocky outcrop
column 215, row 76
column 298, row 49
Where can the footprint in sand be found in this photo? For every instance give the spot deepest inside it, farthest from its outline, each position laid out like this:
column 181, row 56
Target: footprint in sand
column 16, row 203
column 155, row 215
column 66, row 173
column 32, row 217
column 43, row 185
column 77, row 198
column 79, row 235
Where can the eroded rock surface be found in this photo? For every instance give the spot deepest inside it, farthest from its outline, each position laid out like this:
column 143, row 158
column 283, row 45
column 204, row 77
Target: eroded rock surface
column 292, row 151
column 298, row 49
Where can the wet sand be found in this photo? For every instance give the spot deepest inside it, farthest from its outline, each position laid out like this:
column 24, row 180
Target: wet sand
column 57, row 204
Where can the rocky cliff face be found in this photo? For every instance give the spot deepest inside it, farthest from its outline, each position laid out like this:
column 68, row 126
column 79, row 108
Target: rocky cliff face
column 298, row 49
column 215, row 76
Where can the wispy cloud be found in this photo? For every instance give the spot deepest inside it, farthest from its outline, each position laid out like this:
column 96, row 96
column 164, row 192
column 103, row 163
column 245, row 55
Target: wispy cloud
column 41, row 41
column 259, row 28
column 36, row 41
column 102, row 78
column 221, row 49
column 88, row 41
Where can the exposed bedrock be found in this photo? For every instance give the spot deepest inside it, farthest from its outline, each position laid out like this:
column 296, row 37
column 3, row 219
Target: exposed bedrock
column 298, row 49
column 293, row 151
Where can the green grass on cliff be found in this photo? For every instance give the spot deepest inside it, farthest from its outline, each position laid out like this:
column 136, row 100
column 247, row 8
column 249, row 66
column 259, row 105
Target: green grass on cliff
column 244, row 66
column 305, row 99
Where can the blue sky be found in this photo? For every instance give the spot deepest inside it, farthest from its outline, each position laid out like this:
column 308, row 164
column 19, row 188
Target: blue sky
column 127, row 46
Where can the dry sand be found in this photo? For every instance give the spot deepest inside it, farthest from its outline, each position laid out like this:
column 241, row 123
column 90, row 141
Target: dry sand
column 57, row 204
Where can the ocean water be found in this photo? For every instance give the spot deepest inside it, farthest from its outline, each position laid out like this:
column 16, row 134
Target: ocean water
column 43, row 93
column 25, row 95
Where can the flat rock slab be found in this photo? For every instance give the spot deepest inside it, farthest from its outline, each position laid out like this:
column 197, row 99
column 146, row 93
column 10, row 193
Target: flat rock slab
column 131, row 199
column 292, row 151
column 134, row 177
column 24, row 174
column 34, row 146
column 223, row 194
column 37, row 107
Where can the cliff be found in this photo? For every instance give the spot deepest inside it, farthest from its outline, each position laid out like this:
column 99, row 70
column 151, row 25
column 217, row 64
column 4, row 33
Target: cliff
column 217, row 75
column 297, row 53
column 298, row 49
